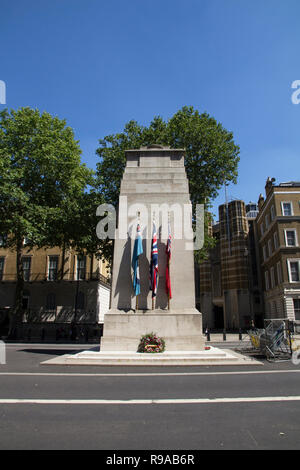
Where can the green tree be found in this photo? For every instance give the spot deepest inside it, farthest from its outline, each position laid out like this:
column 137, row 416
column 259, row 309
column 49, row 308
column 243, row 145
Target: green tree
column 42, row 186
column 211, row 155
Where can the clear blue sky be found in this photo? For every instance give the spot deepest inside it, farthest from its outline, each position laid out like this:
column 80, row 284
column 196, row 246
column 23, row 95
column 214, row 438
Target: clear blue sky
column 101, row 63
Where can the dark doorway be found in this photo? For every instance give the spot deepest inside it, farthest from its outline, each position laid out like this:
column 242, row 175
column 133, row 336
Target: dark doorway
column 219, row 317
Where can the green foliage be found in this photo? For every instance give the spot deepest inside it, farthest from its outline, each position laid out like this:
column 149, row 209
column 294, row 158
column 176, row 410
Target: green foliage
column 211, row 155
column 42, row 180
column 42, row 185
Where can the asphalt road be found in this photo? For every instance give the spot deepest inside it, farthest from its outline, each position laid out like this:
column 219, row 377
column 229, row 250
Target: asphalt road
column 126, row 408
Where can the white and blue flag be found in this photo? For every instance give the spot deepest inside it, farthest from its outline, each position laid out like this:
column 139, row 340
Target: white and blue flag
column 137, row 251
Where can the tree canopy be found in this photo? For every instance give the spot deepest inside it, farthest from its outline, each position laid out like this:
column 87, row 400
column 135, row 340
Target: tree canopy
column 211, row 154
column 42, row 184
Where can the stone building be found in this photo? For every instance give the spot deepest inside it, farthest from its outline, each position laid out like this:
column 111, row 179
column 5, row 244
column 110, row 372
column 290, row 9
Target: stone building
column 228, row 282
column 59, row 288
column 278, row 225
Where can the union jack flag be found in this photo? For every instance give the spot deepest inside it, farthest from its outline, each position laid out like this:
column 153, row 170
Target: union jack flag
column 154, row 263
column 168, row 279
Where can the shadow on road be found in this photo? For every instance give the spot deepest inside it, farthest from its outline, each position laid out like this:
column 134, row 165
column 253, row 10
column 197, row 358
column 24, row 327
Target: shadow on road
column 57, row 352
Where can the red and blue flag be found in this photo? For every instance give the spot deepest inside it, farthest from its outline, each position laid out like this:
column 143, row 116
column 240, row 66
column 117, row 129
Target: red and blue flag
column 168, row 252
column 154, row 263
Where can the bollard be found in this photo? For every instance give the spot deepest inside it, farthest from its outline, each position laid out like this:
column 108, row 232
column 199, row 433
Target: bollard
column 224, row 335
column 208, row 334
column 2, row 353
column 240, row 334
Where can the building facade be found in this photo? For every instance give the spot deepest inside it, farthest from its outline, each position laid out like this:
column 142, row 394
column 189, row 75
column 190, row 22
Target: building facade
column 228, row 282
column 278, row 225
column 60, row 288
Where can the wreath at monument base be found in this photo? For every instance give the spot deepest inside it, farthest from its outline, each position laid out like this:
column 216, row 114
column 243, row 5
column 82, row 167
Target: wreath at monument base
column 151, row 343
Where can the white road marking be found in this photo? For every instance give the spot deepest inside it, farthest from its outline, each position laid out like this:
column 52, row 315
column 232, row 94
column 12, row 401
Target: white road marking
column 175, row 401
column 147, row 374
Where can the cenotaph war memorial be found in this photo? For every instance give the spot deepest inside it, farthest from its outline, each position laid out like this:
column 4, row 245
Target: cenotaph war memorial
column 153, row 287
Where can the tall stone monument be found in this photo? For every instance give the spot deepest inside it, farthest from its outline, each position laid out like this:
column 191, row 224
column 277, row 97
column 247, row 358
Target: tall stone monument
column 154, row 187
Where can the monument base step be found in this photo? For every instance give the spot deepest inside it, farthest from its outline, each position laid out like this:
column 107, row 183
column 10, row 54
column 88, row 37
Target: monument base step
column 212, row 356
column 181, row 329
column 182, row 343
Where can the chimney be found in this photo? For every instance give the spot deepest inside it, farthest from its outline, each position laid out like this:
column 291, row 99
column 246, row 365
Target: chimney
column 269, row 185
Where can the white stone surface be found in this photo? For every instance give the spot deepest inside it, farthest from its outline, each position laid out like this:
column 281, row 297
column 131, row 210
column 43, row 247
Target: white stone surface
column 212, row 356
column 103, row 301
column 154, row 176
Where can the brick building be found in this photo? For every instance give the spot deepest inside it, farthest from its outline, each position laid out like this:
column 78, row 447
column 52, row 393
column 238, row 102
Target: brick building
column 278, row 225
column 59, row 288
column 228, row 282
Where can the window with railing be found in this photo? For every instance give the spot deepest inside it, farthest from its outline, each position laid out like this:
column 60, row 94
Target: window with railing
column 52, row 268
column 2, row 260
column 26, row 266
column 81, row 267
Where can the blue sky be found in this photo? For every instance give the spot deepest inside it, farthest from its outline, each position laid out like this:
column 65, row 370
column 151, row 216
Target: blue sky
column 99, row 64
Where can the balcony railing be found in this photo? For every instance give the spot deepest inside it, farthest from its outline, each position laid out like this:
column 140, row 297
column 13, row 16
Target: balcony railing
column 67, row 277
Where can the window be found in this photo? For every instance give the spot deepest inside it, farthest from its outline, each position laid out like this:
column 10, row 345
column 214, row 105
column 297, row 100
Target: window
column 81, row 267
column 290, row 237
column 3, row 239
column 270, row 247
column 262, row 229
column 267, row 280
column 293, row 268
column 26, row 265
column 272, row 278
column 264, row 252
column 279, row 275
column 297, row 308
column 267, row 221
column 275, row 238
column 272, row 213
column 51, row 301
column 52, row 268
column 287, row 208
column 2, row 259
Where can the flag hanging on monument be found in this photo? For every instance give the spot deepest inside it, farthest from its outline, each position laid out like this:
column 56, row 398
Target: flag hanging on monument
column 168, row 252
column 137, row 251
column 154, row 263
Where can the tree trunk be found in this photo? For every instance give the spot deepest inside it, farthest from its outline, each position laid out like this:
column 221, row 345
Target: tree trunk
column 16, row 316
column 63, row 261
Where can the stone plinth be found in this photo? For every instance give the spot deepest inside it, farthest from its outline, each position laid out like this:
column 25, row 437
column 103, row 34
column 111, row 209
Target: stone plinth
column 182, row 330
